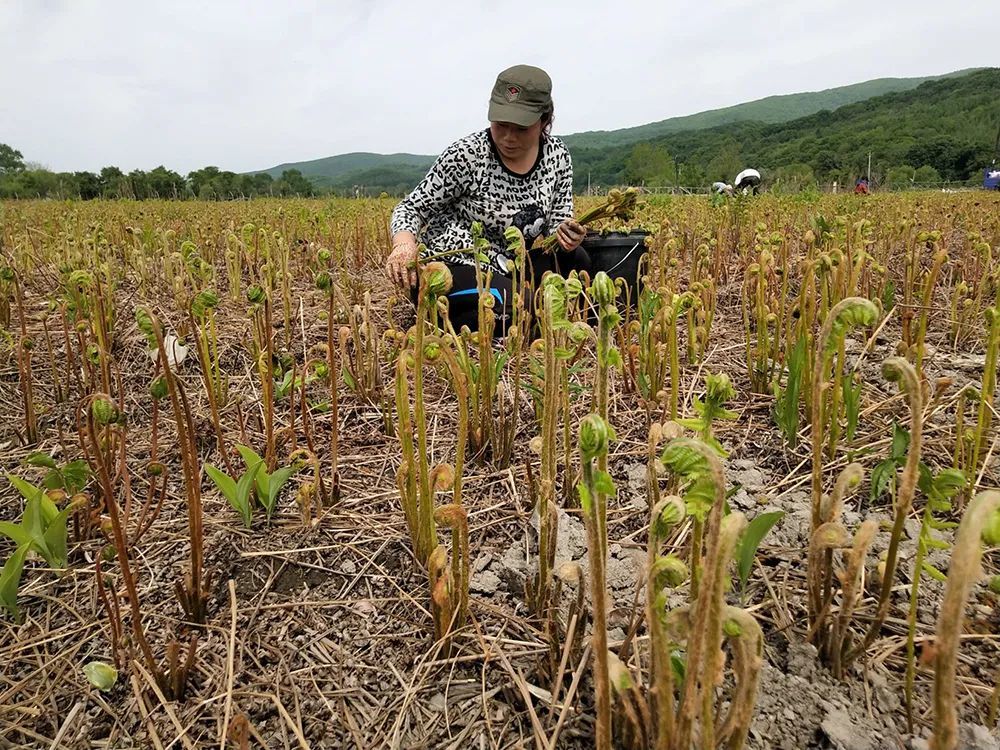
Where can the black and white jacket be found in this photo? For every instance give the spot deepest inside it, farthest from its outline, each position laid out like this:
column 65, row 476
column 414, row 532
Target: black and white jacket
column 469, row 183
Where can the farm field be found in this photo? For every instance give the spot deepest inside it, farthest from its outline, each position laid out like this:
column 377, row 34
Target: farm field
column 280, row 507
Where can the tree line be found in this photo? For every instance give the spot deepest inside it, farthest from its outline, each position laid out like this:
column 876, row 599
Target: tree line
column 21, row 180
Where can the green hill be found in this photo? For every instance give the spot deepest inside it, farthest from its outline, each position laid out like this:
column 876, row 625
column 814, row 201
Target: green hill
column 948, row 124
column 772, row 109
column 333, row 168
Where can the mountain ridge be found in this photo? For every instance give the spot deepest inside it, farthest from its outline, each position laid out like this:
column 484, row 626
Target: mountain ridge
column 596, row 150
column 769, row 109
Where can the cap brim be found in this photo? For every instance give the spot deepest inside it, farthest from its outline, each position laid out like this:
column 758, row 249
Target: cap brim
column 513, row 113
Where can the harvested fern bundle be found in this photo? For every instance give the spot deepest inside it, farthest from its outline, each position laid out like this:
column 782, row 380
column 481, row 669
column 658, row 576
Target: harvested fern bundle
column 618, row 205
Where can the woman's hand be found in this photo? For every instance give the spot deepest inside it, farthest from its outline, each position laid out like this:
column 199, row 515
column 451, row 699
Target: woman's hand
column 570, row 234
column 401, row 264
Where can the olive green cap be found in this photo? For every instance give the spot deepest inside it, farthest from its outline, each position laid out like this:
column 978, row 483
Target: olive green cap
column 521, row 95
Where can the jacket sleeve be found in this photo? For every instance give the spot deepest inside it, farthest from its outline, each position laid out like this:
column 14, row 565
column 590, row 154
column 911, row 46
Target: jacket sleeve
column 562, row 196
column 447, row 179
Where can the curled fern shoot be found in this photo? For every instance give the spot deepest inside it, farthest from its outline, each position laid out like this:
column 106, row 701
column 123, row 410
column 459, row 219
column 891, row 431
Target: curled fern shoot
column 963, row 572
column 845, row 315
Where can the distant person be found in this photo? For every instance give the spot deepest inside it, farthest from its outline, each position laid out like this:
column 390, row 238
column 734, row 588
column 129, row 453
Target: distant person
column 861, row 186
column 722, row 188
column 747, row 181
column 513, row 173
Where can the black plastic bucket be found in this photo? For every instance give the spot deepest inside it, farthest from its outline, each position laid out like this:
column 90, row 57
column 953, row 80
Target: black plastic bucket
column 617, row 254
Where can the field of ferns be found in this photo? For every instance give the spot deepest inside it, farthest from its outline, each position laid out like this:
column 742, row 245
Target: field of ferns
column 252, row 496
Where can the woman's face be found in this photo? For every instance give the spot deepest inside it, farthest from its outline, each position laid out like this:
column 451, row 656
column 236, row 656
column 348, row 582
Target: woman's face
column 515, row 141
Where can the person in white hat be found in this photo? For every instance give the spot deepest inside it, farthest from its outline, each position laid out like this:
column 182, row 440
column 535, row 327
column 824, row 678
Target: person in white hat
column 747, row 181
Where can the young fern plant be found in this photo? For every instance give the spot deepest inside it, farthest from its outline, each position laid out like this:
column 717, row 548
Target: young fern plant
column 603, row 292
column 663, row 572
column 681, row 703
column 718, row 390
column 100, row 423
column 703, row 495
column 829, row 634
column 311, row 496
column 456, row 518
column 8, row 278
column 415, row 480
column 682, row 707
column 442, row 587
column 964, row 435
column 359, row 342
column 647, row 358
column 480, row 376
column 594, row 488
column 325, row 283
column 679, row 303
column 964, row 571
column 987, row 393
column 846, row 314
column 193, row 591
column 518, row 332
column 939, row 489
column 263, row 354
column 484, row 373
column 657, row 349
column 704, row 626
column 449, row 582
column 759, row 362
column 900, row 371
column 930, row 282
column 202, row 314
column 556, row 294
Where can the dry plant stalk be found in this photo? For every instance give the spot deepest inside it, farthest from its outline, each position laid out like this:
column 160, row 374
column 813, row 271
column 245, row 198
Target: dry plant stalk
column 565, row 637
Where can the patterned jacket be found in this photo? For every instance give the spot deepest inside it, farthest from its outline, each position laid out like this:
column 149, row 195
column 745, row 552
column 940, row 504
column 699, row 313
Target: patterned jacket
column 469, row 183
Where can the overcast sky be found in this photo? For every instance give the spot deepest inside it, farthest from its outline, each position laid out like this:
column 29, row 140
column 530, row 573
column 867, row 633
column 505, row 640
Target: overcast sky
column 247, row 85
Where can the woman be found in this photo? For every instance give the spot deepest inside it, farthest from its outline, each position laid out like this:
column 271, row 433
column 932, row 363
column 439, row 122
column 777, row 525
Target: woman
column 512, row 174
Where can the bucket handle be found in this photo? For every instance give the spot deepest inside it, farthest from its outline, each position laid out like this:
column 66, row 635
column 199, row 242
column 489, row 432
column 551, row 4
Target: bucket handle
column 623, row 259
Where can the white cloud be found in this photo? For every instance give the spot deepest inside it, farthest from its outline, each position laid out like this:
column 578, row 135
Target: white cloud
column 248, row 85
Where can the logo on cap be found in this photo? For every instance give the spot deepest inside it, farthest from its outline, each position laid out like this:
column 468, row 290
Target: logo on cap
column 512, row 93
